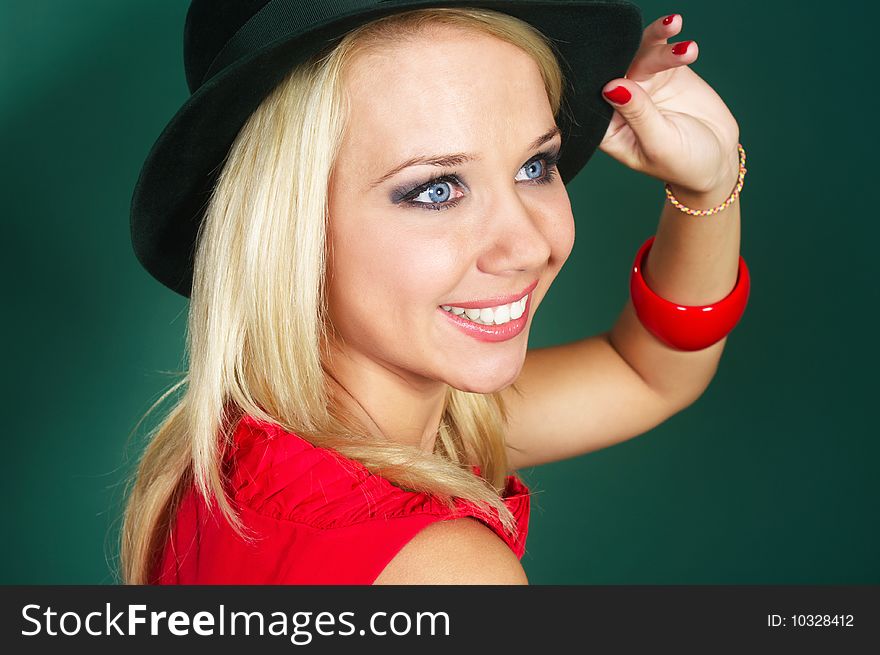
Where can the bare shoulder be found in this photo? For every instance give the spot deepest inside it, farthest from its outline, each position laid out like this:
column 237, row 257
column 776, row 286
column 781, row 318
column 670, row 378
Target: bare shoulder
column 454, row 551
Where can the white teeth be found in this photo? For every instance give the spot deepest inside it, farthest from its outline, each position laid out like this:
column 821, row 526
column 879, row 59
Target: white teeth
column 491, row 315
column 516, row 310
column 502, row 314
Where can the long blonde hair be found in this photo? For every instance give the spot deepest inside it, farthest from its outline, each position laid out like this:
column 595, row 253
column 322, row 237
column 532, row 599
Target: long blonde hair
column 257, row 326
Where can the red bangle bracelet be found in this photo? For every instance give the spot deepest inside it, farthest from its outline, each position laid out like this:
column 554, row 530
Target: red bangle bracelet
column 680, row 326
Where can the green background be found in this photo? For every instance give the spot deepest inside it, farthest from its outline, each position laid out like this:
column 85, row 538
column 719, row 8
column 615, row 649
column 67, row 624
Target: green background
column 770, row 477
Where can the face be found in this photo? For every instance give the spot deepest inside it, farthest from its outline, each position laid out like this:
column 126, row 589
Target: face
column 472, row 234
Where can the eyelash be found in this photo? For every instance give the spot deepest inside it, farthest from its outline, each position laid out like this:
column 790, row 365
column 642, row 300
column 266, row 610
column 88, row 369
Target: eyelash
column 551, row 159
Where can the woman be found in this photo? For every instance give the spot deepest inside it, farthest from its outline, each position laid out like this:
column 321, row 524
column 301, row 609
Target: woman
column 371, row 254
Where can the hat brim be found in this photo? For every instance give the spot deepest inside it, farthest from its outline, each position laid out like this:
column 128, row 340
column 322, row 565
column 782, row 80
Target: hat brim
column 596, row 41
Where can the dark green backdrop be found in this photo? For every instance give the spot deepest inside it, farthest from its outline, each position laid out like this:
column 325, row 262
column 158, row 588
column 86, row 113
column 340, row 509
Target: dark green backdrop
column 771, row 477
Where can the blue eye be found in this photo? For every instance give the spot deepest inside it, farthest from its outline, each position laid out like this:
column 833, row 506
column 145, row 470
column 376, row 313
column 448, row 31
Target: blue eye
column 437, row 194
column 532, row 165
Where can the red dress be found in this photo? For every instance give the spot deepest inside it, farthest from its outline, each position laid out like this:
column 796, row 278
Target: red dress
column 322, row 518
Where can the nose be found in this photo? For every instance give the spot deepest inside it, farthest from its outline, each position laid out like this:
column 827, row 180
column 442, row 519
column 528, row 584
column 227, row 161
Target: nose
column 517, row 237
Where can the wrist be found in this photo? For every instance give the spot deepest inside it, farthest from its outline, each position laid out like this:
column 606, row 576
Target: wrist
column 716, row 192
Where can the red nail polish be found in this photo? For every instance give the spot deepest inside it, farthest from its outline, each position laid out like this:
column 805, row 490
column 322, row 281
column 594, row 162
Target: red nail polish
column 618, row 95
column 668, row 19
column 681, row 48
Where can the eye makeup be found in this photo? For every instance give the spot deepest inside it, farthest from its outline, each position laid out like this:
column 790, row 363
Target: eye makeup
column 404, row 195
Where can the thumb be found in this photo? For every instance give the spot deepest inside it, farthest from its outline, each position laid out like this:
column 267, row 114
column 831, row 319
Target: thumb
column 640, row 113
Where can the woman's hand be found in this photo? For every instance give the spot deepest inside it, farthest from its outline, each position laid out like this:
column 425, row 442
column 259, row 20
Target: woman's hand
column 670, row 124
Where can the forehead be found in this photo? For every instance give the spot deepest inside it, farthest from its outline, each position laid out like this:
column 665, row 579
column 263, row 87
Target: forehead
column 447, row 87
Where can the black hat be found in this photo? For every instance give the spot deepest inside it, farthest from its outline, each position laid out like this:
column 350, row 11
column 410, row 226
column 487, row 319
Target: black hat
column 236, row 51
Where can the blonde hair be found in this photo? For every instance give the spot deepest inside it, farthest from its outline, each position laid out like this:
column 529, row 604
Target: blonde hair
column 257, row 326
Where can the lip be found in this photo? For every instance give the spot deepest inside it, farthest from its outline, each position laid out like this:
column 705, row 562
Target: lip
column 494, row 302
column 492, row 333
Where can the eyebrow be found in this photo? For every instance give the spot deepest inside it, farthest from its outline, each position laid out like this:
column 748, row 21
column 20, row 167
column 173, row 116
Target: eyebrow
column 456, row 158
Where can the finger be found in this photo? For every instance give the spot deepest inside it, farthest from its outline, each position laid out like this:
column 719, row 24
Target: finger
column 655, row 34
column 661, row 29
column 640, row 113
column 657, row 58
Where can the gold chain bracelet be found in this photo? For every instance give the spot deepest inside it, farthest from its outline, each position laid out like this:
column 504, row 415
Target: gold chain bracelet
column 724, row 205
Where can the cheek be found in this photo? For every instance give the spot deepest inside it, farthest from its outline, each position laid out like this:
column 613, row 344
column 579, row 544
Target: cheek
column 398, row 268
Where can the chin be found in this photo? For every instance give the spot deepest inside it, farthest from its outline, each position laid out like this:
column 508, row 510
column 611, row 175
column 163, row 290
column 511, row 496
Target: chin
column 487, row 381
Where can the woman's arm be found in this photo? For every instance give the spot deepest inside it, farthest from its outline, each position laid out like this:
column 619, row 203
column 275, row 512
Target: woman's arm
column 693, row 261
column 459, row 551
column 598, row 391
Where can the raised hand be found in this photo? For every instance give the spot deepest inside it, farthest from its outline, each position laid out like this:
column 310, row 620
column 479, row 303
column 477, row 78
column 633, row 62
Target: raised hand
column 668, row 122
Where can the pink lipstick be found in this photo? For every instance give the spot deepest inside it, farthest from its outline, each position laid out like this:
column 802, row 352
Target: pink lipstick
column 491, row 333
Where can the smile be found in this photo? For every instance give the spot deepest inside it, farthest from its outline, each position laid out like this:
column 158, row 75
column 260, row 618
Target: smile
column 495, row 323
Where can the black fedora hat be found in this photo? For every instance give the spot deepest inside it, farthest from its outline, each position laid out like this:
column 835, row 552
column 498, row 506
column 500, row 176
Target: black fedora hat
column 236, row 51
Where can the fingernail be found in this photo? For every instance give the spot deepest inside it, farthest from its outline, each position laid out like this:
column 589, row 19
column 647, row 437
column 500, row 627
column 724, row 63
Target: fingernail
column 669, row 19
column 618, row 95
column 681, row 48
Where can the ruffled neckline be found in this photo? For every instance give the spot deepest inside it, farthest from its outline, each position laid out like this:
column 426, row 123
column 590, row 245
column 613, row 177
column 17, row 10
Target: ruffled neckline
column 280, row 474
